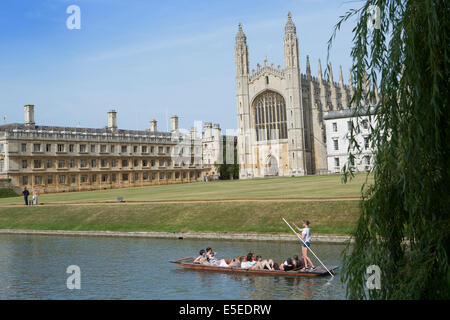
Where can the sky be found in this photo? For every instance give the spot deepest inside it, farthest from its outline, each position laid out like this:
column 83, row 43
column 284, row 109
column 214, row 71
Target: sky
column 150, row 59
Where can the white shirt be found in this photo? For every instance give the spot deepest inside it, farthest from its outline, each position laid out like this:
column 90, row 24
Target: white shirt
column 247, row 264
column 306, row 232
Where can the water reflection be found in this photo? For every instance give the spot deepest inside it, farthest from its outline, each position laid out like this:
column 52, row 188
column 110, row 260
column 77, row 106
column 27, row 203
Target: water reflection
column 33, row 267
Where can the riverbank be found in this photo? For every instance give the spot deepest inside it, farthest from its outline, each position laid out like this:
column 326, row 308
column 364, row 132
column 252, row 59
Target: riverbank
column 237, row 217
column 182, row 235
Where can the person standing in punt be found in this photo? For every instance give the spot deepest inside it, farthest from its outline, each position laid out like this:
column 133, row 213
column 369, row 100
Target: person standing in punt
column 306, row 236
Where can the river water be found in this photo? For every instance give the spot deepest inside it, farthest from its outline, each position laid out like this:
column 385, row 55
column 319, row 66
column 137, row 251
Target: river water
column 34, row 267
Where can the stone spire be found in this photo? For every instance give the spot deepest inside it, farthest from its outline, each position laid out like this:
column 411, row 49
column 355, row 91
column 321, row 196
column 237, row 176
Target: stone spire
column 344, row 98
column 240, row 35
column 341, row 77
column 330, row 75
column 320, row 72
column 350, row 85
column 308, row 68
column 290, row 26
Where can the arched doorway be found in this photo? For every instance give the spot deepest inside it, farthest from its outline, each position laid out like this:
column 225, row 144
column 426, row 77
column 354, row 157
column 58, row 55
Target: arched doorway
column 271, row 166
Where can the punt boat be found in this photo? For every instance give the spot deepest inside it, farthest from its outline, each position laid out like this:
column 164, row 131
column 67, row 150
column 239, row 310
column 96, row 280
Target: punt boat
column 188, row 263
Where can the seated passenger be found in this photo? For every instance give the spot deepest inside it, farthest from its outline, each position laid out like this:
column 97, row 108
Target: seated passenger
column 287, row 265
column 247, row 263
column 236, row 262
column 201, row 259
column 272, row 265
column 298, row 263
column 261, row 264
column 211, row 257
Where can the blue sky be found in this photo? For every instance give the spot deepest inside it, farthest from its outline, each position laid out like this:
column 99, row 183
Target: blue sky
column 149, row 59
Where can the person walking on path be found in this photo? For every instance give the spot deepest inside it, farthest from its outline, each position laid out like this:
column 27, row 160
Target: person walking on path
column 35, row 198
column 25, row 193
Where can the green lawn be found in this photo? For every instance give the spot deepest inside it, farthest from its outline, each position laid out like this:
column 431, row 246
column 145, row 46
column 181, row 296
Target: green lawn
column 329, row 186
column 327, row 217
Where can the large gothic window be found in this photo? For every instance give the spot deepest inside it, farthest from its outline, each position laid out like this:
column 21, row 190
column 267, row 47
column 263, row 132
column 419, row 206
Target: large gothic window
column 269, row 116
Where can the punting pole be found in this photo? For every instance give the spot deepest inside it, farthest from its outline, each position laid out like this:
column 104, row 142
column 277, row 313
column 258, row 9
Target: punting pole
column 308, row 247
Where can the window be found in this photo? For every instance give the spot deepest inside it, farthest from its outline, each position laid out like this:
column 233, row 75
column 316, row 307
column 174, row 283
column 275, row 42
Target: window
column 49, row 163
column 36, row 147
column 168, row 150
column 160, row 149
column 2, row 148
column 184, row 175
column 94, row 178
column 365, row 124
column 144, row 149
column 169, row 175
column 113, row 177
column 334, row 126
column 144, row 163
column 349, row 125
column 124, row 163
column 152, row 149
column 24, row 180
column 72, row 164
column 61, row 179
column 145, row 176
column 93, row 163
column 113, row 163
column 104, row 178
column 24, row 164
column 104, row 163
column 367, row 160
column 161, row 163
column 48, row 148
column 269, row 116
column 336, row 144
column 83, row 163
column 37, row 180
column 71, row 147
column 161, row 175
column 24, row 147
column 60, row 148
column 177, row 175
column 366, row 143
column 92, row 148
column 125, row 177
column 124, row 149
column 112, row 149
column 84, row 178
column 135, row 163
column 82, row 148
column 37, row 163
column 2, row 165
column 61, row 163
column 49, row 179
column 103, row 148
column 336, row 162
column 153, row 176
column 152, row 163
column 136, row 176
column 168, row 163
column 135, row 149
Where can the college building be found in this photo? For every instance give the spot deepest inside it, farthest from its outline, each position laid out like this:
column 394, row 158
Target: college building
column 281, row 113
column 60, row 159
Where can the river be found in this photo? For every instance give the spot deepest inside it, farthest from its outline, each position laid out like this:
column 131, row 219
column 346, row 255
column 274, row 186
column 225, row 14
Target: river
column 34, row 267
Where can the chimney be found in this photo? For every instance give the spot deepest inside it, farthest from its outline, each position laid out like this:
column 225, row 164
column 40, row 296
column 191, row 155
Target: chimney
column 29, row 114
column 153, row 126
column 217, row 131
column 208, row 130
column 112, row 120
column 174, row 123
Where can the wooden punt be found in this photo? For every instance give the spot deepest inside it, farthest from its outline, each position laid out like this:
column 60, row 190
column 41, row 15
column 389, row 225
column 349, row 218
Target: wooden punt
column 188, row 263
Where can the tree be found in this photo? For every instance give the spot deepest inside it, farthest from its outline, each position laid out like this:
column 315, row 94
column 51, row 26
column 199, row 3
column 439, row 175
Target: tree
column 228, row 171
column 404, row 223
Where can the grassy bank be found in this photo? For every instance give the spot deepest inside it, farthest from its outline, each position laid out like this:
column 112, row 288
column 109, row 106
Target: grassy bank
column 7, row 193
column 331, row 217
column 329, row 186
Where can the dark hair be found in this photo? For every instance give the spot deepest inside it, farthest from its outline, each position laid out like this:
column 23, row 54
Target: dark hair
column 207, row 249
column 296, row 257
column 202, row 252
column 289, row 261
column 306, row 222
column 249, row 257
column 258, row 257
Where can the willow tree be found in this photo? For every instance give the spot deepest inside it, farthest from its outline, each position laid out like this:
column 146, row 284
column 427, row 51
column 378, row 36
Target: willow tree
column 404, row 224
